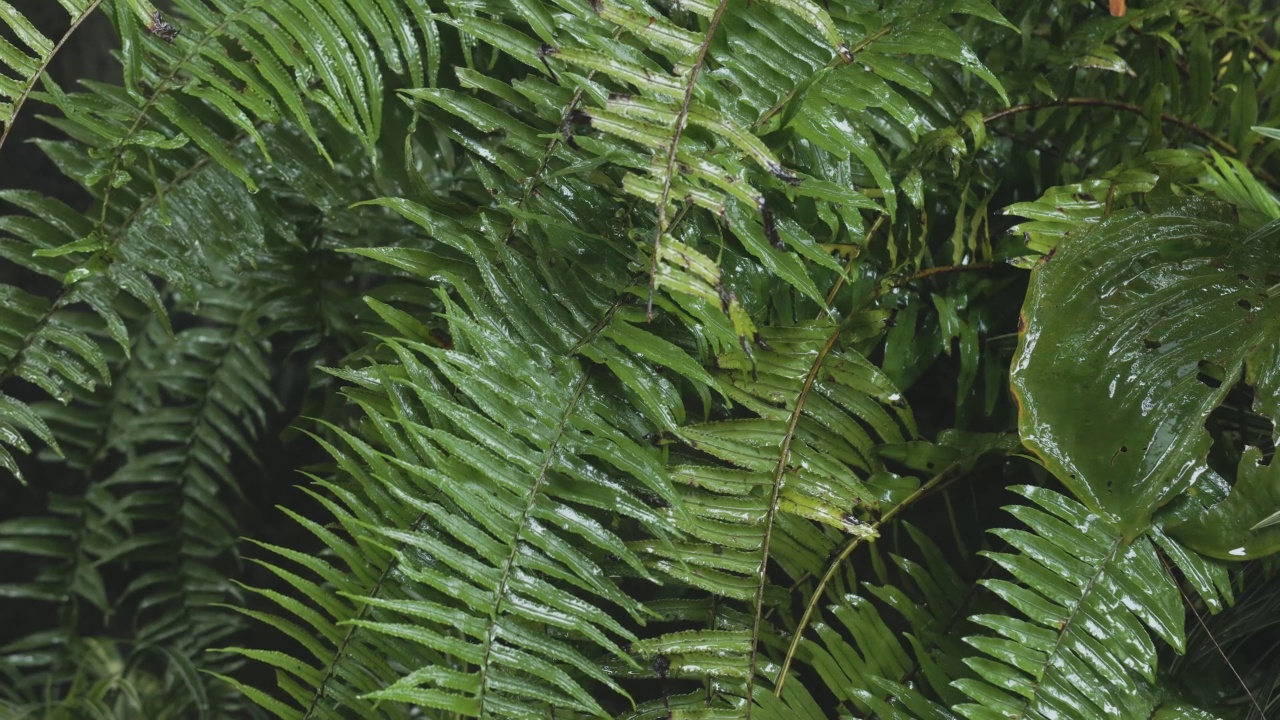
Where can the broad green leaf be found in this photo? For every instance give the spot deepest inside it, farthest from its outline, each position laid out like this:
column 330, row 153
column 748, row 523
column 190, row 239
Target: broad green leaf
column 1133, row 333
column 1244, row 525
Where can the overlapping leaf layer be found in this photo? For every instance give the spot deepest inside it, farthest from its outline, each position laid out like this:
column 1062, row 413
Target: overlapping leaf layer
column 611, row 343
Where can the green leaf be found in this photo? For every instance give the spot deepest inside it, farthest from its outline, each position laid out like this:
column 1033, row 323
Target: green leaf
column 784, row 264
column 1133, row 333
column 1084, row 651
column 1244, row 525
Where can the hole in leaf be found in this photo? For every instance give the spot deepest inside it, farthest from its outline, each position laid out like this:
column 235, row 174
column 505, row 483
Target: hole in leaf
column 1124, row 448
column 1151, row 344
column 1244, row 304
column 1211, row 374
column 1236, row 424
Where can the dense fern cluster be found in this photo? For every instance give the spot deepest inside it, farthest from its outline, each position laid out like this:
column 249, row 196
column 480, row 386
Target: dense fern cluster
column 547, row 358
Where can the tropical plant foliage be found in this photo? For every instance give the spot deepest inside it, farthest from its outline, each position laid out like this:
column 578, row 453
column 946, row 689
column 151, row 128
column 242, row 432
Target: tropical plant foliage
column 537, row 358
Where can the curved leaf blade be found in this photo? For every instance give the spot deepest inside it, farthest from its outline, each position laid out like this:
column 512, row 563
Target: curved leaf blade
column 1133, row 334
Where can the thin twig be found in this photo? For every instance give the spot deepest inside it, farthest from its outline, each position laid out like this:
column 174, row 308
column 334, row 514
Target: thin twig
column 1116, row 104
column 1230, row 666
column 1138, row 110
column 945, row 269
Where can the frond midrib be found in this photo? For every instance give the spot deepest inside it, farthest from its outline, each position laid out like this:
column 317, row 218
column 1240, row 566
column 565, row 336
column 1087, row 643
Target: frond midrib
column 535, row 491
column 1100, row 571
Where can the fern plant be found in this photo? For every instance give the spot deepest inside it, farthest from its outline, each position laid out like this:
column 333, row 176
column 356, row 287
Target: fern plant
column 624, row 359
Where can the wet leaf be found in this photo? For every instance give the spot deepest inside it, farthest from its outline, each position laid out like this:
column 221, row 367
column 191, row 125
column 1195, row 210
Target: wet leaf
column 1243, row 526
column 1134, row 332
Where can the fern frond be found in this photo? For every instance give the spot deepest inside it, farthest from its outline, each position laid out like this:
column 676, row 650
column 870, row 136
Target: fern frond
column 548, row 495
column 1233, row 181
column 491, row 562
column 46, row 342
column 185, row 403
column 134, row 245
column 152, row 507
column 830, row 400
column 504, row 557
column 877, row 665
column 1093, row 603
column 23, row 66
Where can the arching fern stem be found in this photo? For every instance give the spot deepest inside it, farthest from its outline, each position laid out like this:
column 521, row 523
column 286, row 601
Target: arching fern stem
column 40, row 71
column 681, row 120
column 850, row 545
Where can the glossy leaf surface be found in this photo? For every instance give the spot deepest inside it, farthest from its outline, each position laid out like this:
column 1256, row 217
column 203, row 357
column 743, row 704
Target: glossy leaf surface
column 1084, row 651
column 1132, row 334
column 1243, row 526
